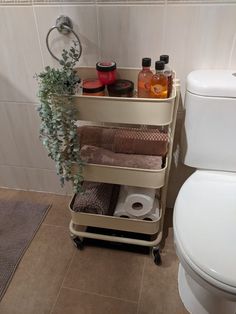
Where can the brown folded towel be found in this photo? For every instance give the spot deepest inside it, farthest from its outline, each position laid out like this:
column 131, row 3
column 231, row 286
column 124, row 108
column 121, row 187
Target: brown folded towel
column 97, row 155
column 96, row 136
column 95, row 199
column 125, row 140
column 140, row 141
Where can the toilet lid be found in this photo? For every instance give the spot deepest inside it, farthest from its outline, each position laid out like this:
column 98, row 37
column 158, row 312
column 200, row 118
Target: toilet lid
column 205, row 224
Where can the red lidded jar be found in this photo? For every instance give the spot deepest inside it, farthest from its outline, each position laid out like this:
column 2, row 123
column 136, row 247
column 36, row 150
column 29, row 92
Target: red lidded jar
column 93, row 87
column 106, row 71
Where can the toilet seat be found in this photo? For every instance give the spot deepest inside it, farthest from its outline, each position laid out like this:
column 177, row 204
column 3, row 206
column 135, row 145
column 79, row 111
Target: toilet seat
column 205, row 227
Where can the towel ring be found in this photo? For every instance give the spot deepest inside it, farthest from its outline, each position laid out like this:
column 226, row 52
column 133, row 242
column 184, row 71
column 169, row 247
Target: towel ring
column 64, row 26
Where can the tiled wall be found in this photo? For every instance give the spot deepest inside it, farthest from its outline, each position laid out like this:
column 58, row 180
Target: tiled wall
column 196, row 34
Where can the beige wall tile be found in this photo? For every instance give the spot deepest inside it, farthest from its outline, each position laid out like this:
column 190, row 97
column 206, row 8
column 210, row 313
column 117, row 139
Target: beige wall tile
column 20, row 54
column 199, row 37
column 143, row 2
column 129, row 33
column 203, row 2
column 13, row 177
column 45, row 18
column 232, row 56
column 19, row 139
column 44, row 181
column 85, row 25
column 32, row 179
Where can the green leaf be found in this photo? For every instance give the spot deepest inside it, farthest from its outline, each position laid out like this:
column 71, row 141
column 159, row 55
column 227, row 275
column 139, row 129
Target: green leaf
column 58, row 131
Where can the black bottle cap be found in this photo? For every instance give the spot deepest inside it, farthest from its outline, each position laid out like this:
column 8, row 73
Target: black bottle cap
column 146, row 62
column 159, row 65
column 164, row 58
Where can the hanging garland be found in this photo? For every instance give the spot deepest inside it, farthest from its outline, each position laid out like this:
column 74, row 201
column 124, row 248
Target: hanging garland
column 58, row 130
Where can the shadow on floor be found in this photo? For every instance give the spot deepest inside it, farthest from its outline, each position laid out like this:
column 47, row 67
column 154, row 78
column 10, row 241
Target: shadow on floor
column 168, row 224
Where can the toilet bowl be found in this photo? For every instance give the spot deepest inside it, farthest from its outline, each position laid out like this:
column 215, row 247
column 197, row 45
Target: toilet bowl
column 205, row 241
column 205, row 210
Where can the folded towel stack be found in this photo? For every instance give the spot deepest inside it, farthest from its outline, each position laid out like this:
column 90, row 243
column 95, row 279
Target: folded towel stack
column 140, row 141
column 125, row 140
column 96, row 136
column 97, row 155
column 97, row 198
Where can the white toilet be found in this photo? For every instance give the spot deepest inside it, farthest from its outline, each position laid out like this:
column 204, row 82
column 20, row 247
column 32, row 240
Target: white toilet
column 205, row 209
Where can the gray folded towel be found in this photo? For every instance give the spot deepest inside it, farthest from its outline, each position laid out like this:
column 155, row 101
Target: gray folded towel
column 97, row 198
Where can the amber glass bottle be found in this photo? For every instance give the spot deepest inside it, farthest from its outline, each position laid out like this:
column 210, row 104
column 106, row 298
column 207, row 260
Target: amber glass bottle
column 159, row 82
column 144, row 79
column 168, row 72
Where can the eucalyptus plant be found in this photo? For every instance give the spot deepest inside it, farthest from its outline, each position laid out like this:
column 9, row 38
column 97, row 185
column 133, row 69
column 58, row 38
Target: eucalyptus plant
column 58, row 130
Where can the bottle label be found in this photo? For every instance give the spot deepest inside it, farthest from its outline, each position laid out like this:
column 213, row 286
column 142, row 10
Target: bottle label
column 156, row 89
column 144, row 85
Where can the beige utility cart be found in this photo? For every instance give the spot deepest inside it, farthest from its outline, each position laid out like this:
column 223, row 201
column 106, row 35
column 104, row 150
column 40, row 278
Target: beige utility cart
column 131, row 111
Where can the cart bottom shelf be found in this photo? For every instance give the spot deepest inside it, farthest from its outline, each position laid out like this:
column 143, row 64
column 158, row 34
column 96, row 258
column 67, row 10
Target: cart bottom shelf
column 116, row 236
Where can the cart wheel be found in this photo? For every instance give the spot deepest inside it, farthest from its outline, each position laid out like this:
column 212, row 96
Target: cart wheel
column 156, row 256
column 78, row 243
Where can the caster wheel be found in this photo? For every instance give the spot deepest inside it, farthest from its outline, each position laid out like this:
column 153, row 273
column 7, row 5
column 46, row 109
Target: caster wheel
column 78, row 243
column 156, row 256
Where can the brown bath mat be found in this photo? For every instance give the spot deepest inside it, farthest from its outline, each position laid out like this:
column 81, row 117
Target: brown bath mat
column 19, row 221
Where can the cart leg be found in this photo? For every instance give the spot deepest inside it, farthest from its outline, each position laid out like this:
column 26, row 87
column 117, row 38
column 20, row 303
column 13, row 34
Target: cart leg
column 156, row 255
column 77, row 241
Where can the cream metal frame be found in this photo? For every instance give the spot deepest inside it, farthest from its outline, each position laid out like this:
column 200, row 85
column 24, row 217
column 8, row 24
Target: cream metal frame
column 158, row 112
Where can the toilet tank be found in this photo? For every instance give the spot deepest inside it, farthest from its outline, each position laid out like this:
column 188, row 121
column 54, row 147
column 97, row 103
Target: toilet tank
column 209, row 135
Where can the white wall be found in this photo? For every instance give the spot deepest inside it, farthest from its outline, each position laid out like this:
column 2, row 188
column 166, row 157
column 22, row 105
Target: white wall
column 196, row 34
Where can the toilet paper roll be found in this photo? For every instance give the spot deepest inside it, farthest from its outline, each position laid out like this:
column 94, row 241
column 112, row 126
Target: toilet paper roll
column 139, row 201
column 153, row 216
column 120, row 210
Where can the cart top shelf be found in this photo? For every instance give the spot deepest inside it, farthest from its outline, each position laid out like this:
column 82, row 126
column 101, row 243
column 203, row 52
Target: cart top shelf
column 146, row 111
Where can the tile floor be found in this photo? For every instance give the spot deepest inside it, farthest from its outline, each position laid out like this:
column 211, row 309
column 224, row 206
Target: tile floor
column 54, row 277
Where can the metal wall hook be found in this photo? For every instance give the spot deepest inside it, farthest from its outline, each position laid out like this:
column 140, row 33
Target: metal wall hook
column 64, row 26
column 63, row 21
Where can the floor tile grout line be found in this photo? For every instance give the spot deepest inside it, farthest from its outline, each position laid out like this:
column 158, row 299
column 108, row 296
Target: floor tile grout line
column 51, row 225
column 67, row 270
column 141, row 286
column 100, row 295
